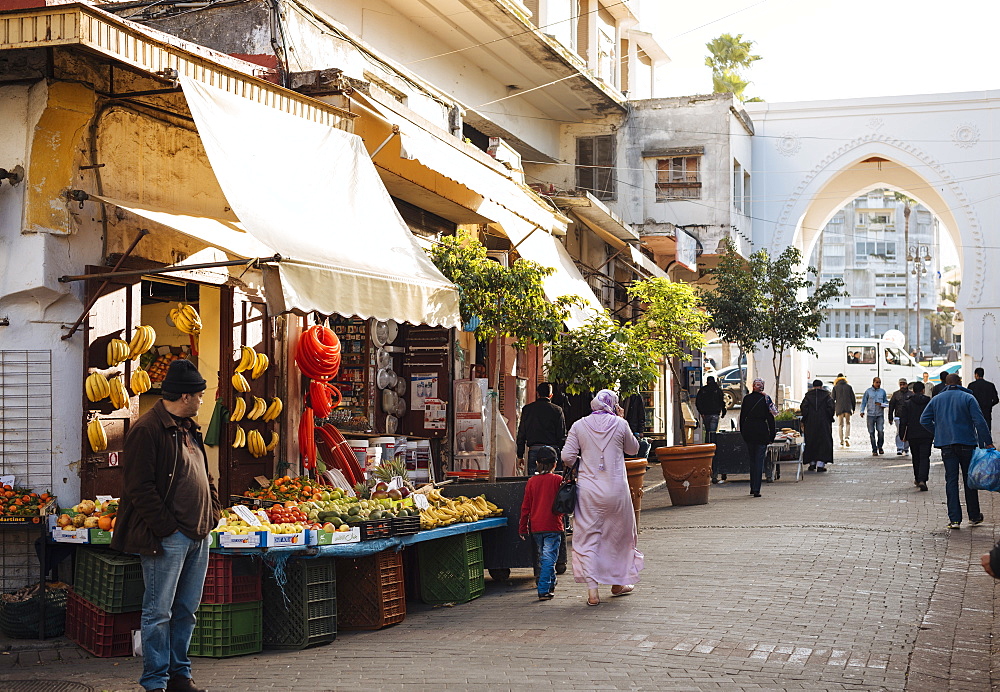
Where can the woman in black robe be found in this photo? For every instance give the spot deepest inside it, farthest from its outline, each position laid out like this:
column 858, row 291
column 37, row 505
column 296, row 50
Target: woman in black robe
column 817, row 409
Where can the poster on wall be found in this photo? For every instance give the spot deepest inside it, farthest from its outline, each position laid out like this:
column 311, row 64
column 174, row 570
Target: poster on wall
column 434, row 414
column 471, row 445
column 423, row 386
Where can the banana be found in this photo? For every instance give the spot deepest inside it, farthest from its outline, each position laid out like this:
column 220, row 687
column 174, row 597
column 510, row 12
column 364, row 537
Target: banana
column 255, row 443
column 261, row 364
column 142, row 340
column 96, row 436
column 239, row 410
column 241, row 438
column 97, row 387
column 186, row 319
column 118, row 351
column 139, row 381
column 248, row 358
column 240, row 383
column 274, row 441
column 119, row 395
column 274, row 410
column 259, row 406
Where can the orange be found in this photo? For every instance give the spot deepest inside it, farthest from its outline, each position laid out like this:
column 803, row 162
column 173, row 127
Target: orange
column 105, row 523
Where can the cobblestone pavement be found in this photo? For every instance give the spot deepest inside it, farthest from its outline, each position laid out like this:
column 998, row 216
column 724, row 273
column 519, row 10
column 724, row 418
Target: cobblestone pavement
column 847, row 580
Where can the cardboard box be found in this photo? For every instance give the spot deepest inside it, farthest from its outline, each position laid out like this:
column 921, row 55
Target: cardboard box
column 74, row 536
column 320, row 537
column 239, row 540
column 99, row 537
column 284, row 540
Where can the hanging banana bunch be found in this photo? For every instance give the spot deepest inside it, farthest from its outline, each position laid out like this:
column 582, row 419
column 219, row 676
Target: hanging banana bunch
column 119, row 395
column 273, row 410
column 96, row 436
column 248, row 359
column 140, row 382
column 186, row 319
column 118, row 352
column 97, row 387
column 142, row 341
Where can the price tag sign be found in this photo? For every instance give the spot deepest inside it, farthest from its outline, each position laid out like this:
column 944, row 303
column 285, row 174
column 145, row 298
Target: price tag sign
column 395, row 484
column 113, row 459
column 246, row 515
column 420, row 500
column 7, row 480
column 101, row 499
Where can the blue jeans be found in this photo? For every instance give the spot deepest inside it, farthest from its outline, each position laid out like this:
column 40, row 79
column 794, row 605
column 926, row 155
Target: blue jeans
column 174, row 580
column 711, row 421
column 876, row 424
column 547, row 543
column 901, row 444
column 757, row 452
column 954, row 458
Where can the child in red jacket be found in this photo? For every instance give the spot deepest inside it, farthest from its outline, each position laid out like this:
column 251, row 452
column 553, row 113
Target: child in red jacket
column 538, row 519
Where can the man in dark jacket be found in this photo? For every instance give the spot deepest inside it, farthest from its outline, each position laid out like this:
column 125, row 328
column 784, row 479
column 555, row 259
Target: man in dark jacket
column 897, row 399
column 169, row 505
column 711, row 406
column 757, row 429
column 985, row 393
column 817, row 409
column 542, row 424
column 919, row 437
column 844, row 403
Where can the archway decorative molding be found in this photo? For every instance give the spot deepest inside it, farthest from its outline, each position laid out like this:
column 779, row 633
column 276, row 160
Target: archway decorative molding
column 970, row 232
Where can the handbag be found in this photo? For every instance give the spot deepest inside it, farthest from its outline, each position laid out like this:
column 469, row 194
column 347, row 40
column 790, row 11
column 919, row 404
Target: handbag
column 565, row 500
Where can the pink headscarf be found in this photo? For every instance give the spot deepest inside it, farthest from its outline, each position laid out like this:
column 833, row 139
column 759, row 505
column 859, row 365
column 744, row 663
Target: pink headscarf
column 606, row 401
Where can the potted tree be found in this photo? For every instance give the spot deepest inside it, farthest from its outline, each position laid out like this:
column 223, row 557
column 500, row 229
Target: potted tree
column 675, row 322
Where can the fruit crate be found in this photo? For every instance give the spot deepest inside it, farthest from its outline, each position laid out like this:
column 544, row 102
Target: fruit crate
column 111, row 581
column 405, row 526
column 370, row 591
column 451, row 569
column 231, row 579
column 101, row 633
column 304, row 611
column 227, row 629
column 375, row 528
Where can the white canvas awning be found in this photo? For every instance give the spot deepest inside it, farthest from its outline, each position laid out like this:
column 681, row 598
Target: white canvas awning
column 310, row 193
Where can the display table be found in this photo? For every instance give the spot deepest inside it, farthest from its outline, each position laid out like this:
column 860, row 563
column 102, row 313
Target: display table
column 374, row 546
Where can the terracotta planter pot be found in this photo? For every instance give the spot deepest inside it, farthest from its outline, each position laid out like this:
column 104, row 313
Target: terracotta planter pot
column 688, row 472
column 636, row 471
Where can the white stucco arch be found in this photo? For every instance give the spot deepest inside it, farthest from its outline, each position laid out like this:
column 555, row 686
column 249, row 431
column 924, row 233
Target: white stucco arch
column 809, row 159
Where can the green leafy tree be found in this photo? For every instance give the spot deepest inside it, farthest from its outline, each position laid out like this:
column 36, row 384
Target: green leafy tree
column 735, row 300
column 509, row 302
column 728, row 56
column 790, row 321
column 603, row 354
column 673, row 319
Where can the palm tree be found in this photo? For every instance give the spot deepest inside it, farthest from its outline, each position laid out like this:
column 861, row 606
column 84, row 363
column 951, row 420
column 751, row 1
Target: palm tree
column 728, row 55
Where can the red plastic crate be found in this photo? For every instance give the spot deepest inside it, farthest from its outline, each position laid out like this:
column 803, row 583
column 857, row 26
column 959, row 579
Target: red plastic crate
column 99, row 632
column 232, row 579
column 370, row 591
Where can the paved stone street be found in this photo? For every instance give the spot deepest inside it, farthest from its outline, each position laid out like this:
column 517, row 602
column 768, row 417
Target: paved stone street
column 847, row 580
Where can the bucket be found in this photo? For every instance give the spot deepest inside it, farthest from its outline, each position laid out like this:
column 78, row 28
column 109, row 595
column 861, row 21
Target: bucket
column 636, row 471
column 387, row 445
column 360, row 450
column 688, row 472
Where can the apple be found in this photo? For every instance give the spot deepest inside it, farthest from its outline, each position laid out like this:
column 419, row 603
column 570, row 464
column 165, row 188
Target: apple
column 329, row 528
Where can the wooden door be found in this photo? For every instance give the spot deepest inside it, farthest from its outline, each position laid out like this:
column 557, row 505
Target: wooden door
column 114, row 316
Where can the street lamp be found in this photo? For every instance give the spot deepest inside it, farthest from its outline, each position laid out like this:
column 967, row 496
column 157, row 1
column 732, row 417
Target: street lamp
column 920, row 256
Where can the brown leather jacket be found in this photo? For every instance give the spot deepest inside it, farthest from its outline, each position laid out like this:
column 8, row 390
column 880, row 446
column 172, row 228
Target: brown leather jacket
column 150, row 458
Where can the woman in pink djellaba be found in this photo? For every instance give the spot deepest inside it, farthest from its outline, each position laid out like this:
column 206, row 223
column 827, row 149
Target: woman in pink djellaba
column 604, row 533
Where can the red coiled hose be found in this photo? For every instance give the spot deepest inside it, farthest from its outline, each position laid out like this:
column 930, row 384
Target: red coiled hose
column 307, row 439
column 318, row 353
column 323, row 397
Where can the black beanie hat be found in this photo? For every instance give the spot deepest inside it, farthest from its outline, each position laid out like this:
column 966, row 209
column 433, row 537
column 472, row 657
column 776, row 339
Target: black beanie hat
column 183, row 378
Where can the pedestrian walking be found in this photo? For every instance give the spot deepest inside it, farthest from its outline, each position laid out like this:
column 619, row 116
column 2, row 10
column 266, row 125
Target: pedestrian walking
column 926, row 379
column 168, row 507
column 604, row 531
column 542, row 424
column 539, row 521
column 919, row 437
column 985, row 393
column 817, row 409
column 711, row 406
column 757, row 429
column 844, row 404
column 939, row 387
column 897, row 399
column 874, row 402
column 958, row 425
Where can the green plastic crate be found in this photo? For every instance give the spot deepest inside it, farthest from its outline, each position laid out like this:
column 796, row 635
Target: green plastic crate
column 111, row 581
column 304, row 612
column 227, row 629
column 451, row 569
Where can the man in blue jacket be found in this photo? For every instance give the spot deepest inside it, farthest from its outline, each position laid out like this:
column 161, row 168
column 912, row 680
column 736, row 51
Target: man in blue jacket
column 958, row 425
column 874, row 402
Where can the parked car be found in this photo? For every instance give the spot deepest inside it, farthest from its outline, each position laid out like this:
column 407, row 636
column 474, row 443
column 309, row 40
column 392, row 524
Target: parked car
column 729, row 382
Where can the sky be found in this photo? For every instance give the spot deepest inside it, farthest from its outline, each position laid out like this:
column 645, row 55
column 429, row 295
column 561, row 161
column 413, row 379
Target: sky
column 832, row 49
